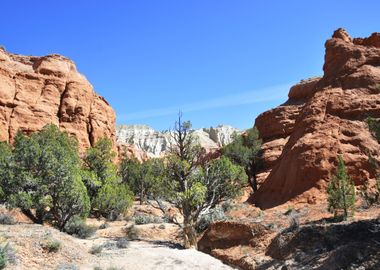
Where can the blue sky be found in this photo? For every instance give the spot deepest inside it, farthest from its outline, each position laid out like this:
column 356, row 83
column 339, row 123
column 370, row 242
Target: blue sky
column 219, row 61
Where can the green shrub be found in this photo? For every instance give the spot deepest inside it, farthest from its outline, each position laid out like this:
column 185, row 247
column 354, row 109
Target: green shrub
column 3, row 257
column 132, row 232
column 122, row 243
column 228, row 206
column 78, row 228
column 146, row 219
column 113, row 199
column 96, row 249
column 341, row 192
column 6, row 219
column 374, row 127
column 41, row 176
column 109, row 196
column 7, row 255
column 370, row 195
column 104, row 226
column 209, row 217
column 51, row 244
column 67, row 266
column 142, row 219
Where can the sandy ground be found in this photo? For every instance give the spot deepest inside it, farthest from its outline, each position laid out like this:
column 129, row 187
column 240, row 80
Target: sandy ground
column 26, row 239
column 143, row 255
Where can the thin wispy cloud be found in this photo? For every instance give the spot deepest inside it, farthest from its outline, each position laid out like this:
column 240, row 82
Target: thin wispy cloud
column 244, row 98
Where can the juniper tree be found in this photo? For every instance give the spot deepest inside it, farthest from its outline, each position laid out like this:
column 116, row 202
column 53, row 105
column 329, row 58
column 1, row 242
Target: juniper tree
column 371, row 193
column 245, row 150
column 341, row 192
column 43, row 177
column 193, row 186
column 142, row 177
column 108, row 194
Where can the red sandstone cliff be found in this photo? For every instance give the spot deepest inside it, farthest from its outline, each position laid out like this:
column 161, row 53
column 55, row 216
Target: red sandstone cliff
column 35, row 91
column 322, row 118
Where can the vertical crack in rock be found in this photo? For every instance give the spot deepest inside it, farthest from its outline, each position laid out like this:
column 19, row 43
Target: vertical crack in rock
column 13, row 108
column 59, row 113
column 90, row 127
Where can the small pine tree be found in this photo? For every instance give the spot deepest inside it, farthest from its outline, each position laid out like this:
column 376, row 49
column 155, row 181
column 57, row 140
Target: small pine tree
column 341, row 192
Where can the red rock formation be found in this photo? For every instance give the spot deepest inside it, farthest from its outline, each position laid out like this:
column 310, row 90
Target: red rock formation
column 225, row 240
column 131, row 151
column 35, row 91
column 322, row 118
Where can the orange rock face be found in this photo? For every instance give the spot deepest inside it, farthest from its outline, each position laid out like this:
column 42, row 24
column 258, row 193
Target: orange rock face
column 35, row 91
column 322, row 118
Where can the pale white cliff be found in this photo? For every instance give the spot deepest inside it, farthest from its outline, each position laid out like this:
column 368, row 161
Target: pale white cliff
column 156, row 143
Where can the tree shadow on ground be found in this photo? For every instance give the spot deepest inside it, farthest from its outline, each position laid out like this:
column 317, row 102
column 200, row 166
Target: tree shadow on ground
column 326, row 245
column 167, row 244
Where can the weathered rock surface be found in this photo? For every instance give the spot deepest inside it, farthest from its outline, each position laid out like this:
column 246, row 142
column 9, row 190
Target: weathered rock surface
column 35, row 91
column 322, row 118
column 156, row 143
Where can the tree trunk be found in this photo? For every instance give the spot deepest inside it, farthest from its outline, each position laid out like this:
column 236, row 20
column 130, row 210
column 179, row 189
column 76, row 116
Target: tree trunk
column 30, row 215
column 253, row 182
column 141, row 198
column 251, row 173
column 190, row 236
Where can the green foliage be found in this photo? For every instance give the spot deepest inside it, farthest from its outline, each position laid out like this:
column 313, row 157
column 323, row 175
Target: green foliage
column 99, row 166
column 3, row 256
column 7, row 255
column 113, row 199
column 144, row 177
column 7, row 169
column 245, row 150
column 371, row 193
column 132, row 174
column 122, row 243
column 374, row 127
column 51, row 245
column 341, row 192
column 99, row 159
column 6, row 219
column 43, row 173
column 146, row 219
column 212, row 215
column 109, row 196
column 78, row 228
column 195, row 185
column 132, row 232
column 96, row 249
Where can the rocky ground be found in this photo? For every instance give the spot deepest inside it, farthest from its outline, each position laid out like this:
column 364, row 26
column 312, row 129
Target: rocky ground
column 295, row 237
column 108, row 249
column 291, row 236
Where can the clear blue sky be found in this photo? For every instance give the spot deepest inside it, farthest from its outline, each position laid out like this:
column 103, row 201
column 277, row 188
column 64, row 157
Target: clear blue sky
column 219, row 61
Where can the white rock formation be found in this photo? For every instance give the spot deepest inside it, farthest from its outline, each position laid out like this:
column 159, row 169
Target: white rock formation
column 155, row 143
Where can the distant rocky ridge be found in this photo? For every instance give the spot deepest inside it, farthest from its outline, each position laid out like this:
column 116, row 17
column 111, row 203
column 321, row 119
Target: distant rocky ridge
column 36, row 91
column 155, row 143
